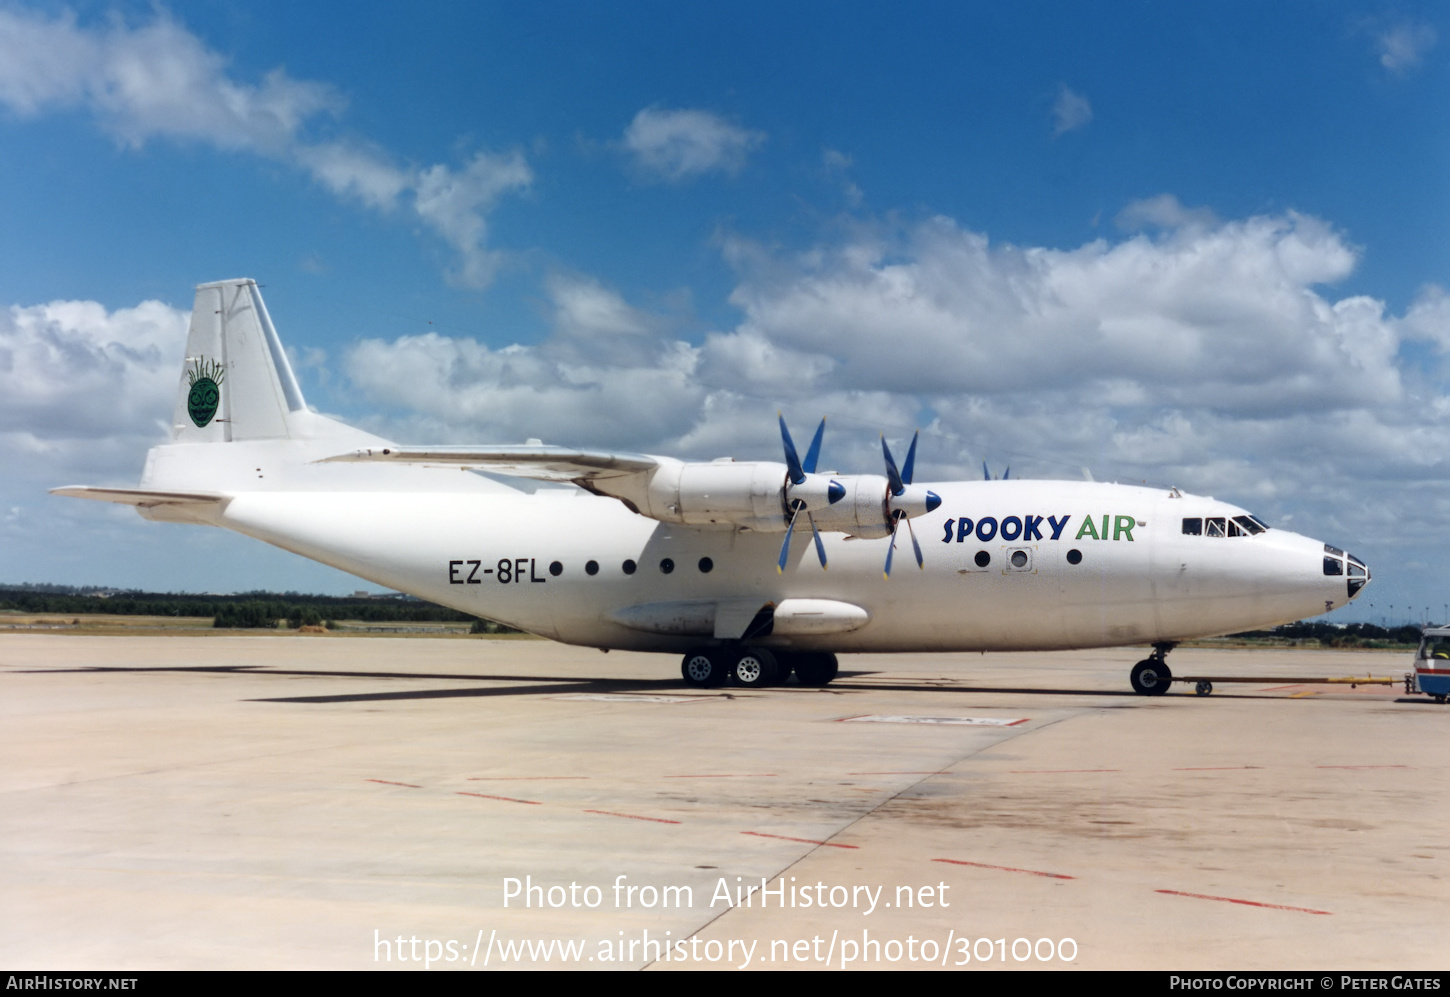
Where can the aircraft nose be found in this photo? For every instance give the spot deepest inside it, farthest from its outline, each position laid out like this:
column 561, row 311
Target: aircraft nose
column 1354, row 571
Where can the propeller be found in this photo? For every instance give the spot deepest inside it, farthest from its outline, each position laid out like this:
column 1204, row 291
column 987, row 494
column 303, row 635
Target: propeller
column 987, row 475
column 904, row 501
column 798, row 479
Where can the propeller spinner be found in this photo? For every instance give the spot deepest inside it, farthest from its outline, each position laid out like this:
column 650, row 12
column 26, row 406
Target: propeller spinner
column 904, row 500
column 805, row 490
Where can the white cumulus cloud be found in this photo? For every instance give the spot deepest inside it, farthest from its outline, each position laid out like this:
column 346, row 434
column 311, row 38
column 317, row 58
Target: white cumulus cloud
column 1402, row 46
column 159, row 80
column 1070, row 111
column 682, row 144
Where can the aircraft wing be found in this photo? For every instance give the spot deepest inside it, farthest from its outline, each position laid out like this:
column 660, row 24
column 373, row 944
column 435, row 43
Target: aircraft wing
column 543, row 463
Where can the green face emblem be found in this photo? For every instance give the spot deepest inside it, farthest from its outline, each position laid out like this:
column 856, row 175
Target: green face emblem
column 206, row 378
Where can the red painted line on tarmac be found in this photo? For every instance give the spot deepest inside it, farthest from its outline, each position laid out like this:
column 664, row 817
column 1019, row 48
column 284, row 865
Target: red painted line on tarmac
column 1364, row 766
column 1005, row 868
column 507, row 799
column 804, row 841
column 727, row 775
column 521, row 778
column 389, row 782
column 933, row 772
column 1250, row 903
column 1057, row 771
column 611, row 813
column 1217, row 768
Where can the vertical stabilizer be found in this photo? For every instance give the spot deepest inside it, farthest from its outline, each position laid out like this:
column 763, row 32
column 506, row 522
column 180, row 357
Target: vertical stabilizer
column 236, row 383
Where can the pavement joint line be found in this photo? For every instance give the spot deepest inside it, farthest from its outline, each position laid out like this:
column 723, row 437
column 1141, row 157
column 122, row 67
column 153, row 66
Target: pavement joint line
column 804, row 841
column 389, row 782
column 1218, row 768
column 1248, row 903
column 613, row 813
column 726, row 775
column 1057, row 771
column 509, row 799
column 1006, row 868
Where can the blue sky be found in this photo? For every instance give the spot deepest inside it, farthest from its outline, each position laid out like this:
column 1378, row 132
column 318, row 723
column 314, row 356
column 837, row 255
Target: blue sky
column 1192, row 247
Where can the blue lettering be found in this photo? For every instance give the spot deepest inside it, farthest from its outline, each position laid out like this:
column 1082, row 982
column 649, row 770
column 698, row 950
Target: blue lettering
column 964, row 529
column 986, row 529
column 1015, row 525
column 1030, row 526
column 947, row 537
column 1056, row 526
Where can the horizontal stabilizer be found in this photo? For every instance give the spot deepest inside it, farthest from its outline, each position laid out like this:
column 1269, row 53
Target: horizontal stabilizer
column 140, row 497
column 543, row 463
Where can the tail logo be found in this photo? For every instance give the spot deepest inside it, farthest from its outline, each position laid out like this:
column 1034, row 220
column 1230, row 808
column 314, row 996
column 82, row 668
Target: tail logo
column 206, row 377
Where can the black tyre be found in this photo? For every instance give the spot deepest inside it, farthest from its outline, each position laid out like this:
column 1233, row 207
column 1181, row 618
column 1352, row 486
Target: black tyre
column 703, row 668
column 816, row 669
column 754, row 668
column 1150, row 678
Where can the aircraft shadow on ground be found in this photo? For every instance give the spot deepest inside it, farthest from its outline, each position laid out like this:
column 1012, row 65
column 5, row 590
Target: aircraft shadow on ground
column 536, row 685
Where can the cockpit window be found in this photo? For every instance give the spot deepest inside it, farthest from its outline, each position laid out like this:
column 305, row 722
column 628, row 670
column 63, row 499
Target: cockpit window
column 1223, row 526
column 1333, row 566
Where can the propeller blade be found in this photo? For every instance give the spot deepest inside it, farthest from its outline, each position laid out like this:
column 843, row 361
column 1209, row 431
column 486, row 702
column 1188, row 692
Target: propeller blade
column 892, row 474
column 816, row 535
column 910, row 459
column 915, row 546
column 891, row 550
column 1007, row 473
column 792, row 461
column 986, row 474
column 814, row 453
column 785, row 546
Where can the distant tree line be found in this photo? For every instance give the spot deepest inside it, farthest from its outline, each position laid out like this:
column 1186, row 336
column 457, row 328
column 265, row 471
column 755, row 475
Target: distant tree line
column 1339, row 634
column 245, row 611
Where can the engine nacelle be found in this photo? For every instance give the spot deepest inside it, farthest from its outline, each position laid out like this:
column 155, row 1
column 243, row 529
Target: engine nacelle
column 757, row 495
column 744, row 493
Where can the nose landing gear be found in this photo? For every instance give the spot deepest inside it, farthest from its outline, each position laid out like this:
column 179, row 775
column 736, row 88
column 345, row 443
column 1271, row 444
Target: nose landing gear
column 1151, row 676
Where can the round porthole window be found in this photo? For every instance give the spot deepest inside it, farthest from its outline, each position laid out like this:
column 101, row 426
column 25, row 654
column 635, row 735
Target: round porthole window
column 983, row 559
column 591, row 567
column 706, row 565
column 1074, row 556
column 667, row 565
column 629, row 567
column 556, row 569
column 1019, row 559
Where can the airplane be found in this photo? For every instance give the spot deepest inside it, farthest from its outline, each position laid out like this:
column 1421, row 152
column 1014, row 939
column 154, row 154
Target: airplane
column 647, row 553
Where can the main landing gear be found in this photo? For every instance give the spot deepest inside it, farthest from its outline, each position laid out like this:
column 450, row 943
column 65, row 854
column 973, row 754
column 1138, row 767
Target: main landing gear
column 754, row 667
column 1151, row 677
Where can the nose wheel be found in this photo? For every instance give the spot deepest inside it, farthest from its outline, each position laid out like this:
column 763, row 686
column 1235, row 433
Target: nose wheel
column 1151, row 676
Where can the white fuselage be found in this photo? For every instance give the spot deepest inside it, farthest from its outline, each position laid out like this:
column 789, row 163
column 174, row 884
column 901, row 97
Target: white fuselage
column 519, row 556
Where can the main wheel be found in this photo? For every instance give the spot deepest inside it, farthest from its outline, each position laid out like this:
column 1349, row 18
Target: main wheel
column 816, row 669
column 703, row 669
column 754, row 668
column 1150, row 677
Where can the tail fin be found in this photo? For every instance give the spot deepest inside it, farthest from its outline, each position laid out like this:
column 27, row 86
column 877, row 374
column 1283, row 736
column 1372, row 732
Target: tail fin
column 237, row 383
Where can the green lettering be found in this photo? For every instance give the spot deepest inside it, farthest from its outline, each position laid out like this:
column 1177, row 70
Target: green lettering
column 1088, row 529
column 1123, row 526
